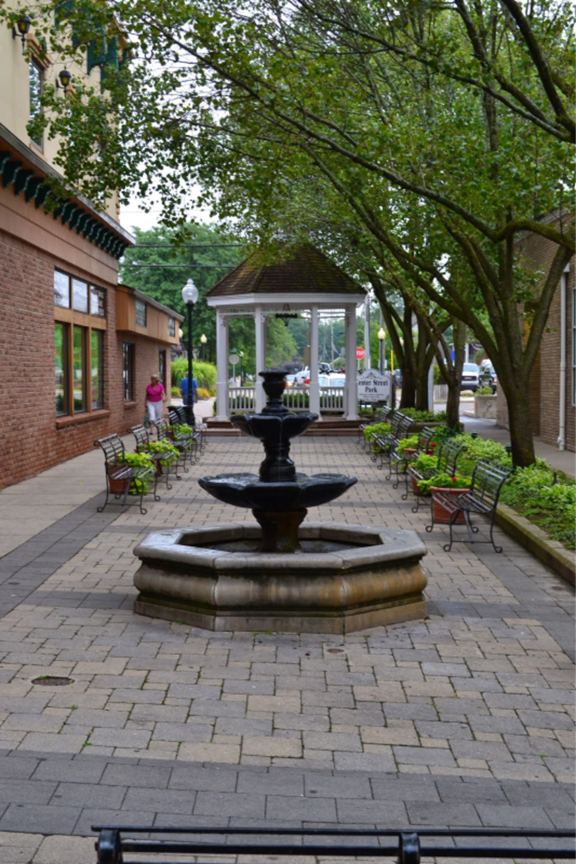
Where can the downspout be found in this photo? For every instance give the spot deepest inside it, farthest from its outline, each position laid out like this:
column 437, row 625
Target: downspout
column 562, row 420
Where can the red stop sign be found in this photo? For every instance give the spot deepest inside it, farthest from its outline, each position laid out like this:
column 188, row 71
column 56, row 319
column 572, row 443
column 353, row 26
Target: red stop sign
column 359, row 353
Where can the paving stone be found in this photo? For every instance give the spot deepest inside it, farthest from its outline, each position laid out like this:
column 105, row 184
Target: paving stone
column 448, row 815
column 88, row 795
column 39, row 819
column 300, row 809
column 513, row 817
column 266, row 783
column 147, row 776
column 249, row 806
column 162, row 800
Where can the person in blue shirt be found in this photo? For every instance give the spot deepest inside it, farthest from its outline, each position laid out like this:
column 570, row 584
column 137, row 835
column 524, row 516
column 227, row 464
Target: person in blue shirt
column 184, row 390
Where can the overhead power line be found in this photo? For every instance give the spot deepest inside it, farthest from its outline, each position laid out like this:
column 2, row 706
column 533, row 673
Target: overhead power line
column 184, row 246
column 217, row 266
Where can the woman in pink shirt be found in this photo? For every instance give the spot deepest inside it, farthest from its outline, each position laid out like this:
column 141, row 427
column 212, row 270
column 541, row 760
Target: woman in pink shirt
column 155, row 398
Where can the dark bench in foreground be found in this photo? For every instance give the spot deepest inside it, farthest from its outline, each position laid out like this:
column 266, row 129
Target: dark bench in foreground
column 406, row 846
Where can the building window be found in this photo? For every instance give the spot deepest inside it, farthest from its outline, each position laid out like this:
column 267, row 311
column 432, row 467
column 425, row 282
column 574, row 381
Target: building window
column 79, row 310
column 80, row 296
column 140, row 313
column 61, row 289
column 97, row 302
column 61, row 368
column 171, row 327
column 128, row 370
column 79, row 369
column 36, row 75
column 97, row 368
column 73, row 293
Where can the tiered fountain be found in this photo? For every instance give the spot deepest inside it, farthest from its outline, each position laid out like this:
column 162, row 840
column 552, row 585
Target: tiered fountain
column 280, row 575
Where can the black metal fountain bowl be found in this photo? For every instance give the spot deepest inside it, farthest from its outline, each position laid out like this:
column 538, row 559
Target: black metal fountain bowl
column 247, row 490
column 270, row 428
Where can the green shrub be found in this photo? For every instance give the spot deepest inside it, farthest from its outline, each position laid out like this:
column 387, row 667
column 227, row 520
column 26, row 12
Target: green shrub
column 376, row 429
column 480, row 448
column 204, row 373
column 484, row 391
column 423, row 416
column 445, row 481
column 533, row 493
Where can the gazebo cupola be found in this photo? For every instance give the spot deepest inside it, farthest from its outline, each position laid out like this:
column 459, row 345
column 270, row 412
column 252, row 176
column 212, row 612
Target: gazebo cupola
column 304, row 280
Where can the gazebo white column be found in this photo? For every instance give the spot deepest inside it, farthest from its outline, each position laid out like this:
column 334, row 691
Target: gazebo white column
column 260, row 328
column 221, row 366
column 350, row 348
column 314, row 363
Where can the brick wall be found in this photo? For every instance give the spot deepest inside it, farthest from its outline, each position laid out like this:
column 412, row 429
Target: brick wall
column 33, row 439
column 545, row 380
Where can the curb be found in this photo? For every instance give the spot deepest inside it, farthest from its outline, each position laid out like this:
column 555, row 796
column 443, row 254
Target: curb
column 533, row 538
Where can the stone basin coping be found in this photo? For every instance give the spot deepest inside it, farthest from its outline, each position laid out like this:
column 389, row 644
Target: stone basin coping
column 379, row 546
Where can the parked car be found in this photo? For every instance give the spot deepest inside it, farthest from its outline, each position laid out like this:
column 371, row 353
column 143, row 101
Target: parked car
column 487, row 377
column 469, row 379
column 290, row 380
column 328, row 380
column 303, row 374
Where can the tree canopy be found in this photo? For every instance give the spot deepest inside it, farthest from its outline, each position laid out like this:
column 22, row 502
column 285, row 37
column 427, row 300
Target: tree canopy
column 443, row 131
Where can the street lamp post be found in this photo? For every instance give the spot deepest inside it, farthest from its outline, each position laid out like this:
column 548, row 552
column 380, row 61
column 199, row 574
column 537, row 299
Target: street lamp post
column 381, row 339
column 190, row 296
column 203, row 340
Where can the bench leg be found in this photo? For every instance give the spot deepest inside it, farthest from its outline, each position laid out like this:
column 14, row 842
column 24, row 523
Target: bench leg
column 429, row 528
column 492, row 523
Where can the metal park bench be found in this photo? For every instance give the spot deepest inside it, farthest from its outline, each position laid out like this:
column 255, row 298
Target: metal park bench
column 488, row 478
column 406, row 846
column 381, row 417
column 177, row 415
column 184, row 444
column 447, row 458
column 167, row 458
column 387, row 444
column 400, row 460
column 120, row 477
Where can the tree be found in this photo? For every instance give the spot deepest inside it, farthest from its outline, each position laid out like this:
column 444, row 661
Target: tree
column 221, row 94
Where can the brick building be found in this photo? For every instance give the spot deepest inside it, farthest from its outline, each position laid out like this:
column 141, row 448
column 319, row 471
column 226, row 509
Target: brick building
column 553, row 380
column 77, row 349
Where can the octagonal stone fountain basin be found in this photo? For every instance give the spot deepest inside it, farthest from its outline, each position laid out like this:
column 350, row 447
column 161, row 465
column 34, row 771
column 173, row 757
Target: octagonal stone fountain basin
column 346, row 578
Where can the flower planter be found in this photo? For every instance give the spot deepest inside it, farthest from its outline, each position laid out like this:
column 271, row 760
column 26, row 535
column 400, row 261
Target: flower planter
column 442, row 515
column 117, row 487
column 416, row 489
column 485, row 407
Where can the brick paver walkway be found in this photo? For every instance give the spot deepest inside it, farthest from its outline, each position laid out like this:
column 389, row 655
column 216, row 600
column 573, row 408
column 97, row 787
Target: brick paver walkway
column 464, row 719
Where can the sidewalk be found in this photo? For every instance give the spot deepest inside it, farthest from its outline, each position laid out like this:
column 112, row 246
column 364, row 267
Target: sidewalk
column 464, row 719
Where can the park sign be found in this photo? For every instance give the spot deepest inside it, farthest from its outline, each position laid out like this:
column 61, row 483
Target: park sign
column 374, row 386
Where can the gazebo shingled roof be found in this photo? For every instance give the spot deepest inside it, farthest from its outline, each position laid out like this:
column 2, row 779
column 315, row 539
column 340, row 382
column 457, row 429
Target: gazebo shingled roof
column 307, row 271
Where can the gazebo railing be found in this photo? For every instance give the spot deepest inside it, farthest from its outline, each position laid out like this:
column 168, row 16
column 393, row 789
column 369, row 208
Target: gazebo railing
column 296, row 399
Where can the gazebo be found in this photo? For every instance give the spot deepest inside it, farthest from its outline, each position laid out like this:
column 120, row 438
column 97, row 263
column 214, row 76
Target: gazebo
column 304, row 280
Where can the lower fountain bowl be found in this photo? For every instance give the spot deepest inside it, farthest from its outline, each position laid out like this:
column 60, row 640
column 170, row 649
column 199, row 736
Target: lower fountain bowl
column 347, row 578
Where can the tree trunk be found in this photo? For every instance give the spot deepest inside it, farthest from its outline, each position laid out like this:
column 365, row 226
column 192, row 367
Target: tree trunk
column 453, row 401
column 408, row 387
column 517, row 395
